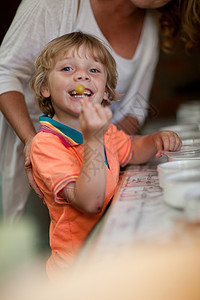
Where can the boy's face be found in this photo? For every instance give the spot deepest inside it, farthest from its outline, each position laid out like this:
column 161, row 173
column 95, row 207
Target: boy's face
column 68, row 70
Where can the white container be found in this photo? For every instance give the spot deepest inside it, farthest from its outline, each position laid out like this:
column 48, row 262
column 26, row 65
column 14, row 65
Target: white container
column 167, row 168
column 176, row 186
column 183, row 155
column 186, row 148
column 191, row 142
column 189, row 135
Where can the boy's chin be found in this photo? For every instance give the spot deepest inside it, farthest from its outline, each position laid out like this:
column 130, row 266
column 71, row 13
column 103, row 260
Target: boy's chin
column 78, row 111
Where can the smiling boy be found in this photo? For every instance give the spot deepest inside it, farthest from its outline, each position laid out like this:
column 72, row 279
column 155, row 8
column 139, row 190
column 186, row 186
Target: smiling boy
column 77, row 154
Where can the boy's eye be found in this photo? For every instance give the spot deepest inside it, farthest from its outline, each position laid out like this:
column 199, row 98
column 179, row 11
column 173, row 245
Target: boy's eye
column 67, row 69
column 94, row 70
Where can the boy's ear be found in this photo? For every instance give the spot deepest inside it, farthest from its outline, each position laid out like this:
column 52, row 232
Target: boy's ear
column 105, row 95
column 45, row 90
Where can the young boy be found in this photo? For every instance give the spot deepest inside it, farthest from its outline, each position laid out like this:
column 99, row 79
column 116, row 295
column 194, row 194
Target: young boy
column 77, row 154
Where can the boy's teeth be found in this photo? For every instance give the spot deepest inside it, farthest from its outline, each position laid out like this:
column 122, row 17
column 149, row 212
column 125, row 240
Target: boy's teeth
column 78, row 96
column 87, row 93
column 74, row 93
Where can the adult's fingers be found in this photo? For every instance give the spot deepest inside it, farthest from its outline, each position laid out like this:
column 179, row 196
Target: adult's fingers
column 32, row 183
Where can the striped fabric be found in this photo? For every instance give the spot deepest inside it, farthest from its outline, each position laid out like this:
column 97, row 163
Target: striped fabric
column 69, row 136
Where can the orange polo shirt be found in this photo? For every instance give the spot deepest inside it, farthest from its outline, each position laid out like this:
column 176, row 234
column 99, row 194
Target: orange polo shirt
column 56, row 156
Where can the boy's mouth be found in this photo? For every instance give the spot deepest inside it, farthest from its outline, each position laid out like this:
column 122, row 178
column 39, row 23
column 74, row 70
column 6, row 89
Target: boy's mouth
column 87, row 93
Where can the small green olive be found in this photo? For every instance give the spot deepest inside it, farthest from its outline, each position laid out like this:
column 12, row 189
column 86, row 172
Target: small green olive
column 80, row 89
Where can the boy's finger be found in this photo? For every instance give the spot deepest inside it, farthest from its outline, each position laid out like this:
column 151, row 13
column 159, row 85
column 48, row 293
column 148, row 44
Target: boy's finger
column 166, row 142
column 90, row 114
column 172, row 142
column 178, row 143
column 159, row 154
column 158, row 143
column 100, row 110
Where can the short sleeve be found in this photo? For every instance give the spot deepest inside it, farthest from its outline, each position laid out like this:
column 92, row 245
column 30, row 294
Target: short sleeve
column 54, row 165
column 122, row 143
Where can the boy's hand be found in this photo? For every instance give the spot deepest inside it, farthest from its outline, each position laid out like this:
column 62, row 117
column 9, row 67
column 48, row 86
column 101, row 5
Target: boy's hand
column 94, row 119
column 167, row 141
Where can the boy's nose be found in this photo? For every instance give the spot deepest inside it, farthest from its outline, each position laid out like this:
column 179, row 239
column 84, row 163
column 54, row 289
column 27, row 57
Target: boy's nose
column 81, row 75
column 82, row 78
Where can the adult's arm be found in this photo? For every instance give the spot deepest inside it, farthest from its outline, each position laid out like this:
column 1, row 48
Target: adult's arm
column 19, row 119
column 13, row 107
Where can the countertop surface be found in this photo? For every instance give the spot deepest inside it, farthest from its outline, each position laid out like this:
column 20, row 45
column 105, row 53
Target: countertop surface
column 138, row 214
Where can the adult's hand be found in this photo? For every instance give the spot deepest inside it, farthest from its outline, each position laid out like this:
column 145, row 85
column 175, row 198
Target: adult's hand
column 29, row 170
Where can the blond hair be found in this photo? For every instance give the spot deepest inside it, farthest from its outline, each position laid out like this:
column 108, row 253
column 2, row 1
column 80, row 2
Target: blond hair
column 179, row 20
column 63, row 43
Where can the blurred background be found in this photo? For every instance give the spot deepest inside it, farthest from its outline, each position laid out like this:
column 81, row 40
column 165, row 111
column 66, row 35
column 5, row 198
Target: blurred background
column 177, row 81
